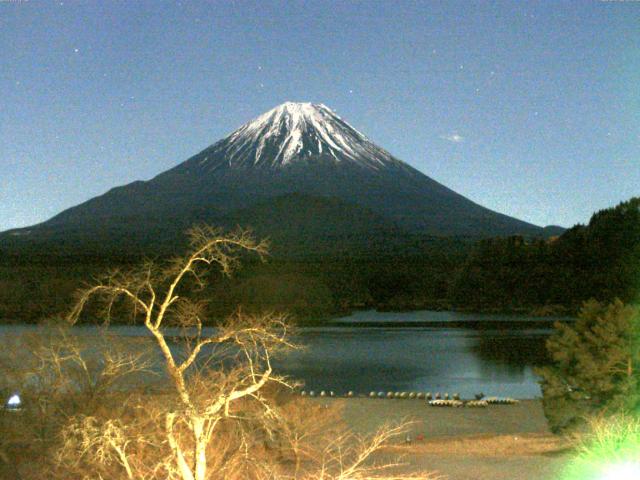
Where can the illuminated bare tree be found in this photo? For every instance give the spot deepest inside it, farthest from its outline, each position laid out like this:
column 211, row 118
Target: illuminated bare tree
column 245, row 342
column 348, row 456
column 219, row 418
column 61, row 375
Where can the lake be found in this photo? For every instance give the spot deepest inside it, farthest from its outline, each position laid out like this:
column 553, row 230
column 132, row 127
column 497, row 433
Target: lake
column 424, row 351
column 413, row 351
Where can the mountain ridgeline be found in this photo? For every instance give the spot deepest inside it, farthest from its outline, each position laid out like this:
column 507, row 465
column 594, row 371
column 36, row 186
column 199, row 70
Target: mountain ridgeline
column 300, row 155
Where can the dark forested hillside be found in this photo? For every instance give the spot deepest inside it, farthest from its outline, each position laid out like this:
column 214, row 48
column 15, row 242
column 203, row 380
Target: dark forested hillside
column 414, row 275
column 600, row 260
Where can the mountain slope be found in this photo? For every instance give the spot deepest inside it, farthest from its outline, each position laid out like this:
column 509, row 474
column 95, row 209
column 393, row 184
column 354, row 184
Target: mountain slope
column 294, row 148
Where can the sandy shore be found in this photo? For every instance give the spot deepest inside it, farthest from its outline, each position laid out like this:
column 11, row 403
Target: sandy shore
column 365, row 415
column 499, row 442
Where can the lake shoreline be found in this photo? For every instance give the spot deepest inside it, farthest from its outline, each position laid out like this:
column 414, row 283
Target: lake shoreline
column 544, row 313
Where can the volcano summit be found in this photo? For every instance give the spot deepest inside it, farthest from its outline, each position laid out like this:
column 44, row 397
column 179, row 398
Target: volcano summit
column 270, row 169
column 298, row 132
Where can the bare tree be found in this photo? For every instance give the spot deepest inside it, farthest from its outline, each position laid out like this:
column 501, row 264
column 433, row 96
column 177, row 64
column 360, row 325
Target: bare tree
column 353, row 457
column 219, row 418
column 60, row 375
column 308, row 428
column 245, row 342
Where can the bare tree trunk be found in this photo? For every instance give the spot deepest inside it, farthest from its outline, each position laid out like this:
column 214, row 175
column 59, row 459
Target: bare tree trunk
column 200, row 448
column 183, row 467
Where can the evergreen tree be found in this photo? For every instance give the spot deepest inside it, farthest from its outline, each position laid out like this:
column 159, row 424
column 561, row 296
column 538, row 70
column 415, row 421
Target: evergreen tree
column 596, row 365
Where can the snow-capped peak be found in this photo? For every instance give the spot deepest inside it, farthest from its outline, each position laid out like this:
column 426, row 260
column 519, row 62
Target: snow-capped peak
column 298, row 131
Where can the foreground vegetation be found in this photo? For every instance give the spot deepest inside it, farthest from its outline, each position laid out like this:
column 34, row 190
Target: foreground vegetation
column 591, row 390
column 608, row 448
column 595, row 368
column 215, row 409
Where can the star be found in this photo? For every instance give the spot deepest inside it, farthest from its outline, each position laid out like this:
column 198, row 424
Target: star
column 76, row 50
column 350, row 91
column 461, row 67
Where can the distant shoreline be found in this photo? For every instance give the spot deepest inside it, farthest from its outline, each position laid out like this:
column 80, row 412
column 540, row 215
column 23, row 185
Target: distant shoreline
column 342, row 320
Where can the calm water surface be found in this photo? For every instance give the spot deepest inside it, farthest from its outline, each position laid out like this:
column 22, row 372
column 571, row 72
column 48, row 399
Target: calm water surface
column 429, row 352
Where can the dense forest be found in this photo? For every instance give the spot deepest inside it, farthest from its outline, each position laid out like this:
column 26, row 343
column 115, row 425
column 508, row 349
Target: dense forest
column 600, row 260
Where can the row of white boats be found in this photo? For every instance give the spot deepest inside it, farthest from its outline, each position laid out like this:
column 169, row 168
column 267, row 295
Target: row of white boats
column 435, row 400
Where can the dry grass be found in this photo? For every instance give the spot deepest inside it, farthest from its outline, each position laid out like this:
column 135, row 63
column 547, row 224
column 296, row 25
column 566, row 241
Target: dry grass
column 609, row 442
column 486, row 445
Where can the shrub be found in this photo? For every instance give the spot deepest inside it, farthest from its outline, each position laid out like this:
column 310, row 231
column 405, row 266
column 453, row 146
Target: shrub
column 610, row 448
column 595, row 365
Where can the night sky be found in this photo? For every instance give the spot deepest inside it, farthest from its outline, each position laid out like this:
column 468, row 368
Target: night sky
column 528, row 108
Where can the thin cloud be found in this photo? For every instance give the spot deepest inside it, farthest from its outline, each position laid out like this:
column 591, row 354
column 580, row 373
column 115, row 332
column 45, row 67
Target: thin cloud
column 453, row 137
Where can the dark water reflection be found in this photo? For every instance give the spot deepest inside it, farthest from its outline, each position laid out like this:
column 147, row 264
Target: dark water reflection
column 419, row 359
column 430, row 352
column 524, row 347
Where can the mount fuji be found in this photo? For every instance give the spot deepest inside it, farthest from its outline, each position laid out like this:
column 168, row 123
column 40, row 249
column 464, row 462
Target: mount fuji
column 298, row 166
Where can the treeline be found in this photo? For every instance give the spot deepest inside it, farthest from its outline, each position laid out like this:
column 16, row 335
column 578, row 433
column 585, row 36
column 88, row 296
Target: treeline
column 554, row 276
column 600, row 260
column 310, row 288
